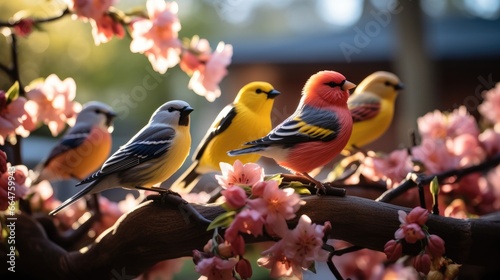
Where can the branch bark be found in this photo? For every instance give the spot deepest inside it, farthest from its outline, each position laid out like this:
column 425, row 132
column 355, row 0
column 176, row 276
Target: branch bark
column 154, row 232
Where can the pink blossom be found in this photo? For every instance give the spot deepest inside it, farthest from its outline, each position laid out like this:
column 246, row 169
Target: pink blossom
column 362, row 264
column 51, row 102
column 417, row 215
column 280, row 266
column 392, row 167
column 435, row 156
column 411, row 225
column 258, row 189
column 215, row 268
column 422, row 263
column 196, row 55
column 393, row 249
column 244, row 268
column 467, row 148
column 303, row 243
column 410, row 232
column 490, row 108
column 24, row 27
column 157, row 37
column 239, row 174
column 277, row 205
column 490, row 141
column 247, row 221
column 205, row 80
column 438, row 125
column 238, row 245
column 104, row 28
column 89, row 9
column 235, row 197
column 435, row 245
column 13, row 181
column 163, row 270
column 11, row 117
column 493, row 181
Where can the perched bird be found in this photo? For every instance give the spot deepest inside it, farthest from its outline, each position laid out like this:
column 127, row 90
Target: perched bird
column 150, row 157
column 246, row 119
column 372, row 108
column 82, row 149
column 315, row 133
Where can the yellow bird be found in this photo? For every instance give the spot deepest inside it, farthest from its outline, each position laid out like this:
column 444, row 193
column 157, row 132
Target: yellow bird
column 246, row 119
column 372, row 108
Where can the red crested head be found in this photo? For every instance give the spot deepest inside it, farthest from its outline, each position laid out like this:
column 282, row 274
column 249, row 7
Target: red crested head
column 327, row 88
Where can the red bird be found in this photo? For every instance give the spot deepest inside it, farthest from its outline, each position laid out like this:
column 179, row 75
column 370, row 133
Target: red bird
column 315, row 133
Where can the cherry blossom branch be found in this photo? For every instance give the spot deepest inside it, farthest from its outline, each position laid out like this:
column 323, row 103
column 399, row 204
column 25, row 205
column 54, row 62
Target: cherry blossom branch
column 154, row 232
column 416, row 179
column 36, row 21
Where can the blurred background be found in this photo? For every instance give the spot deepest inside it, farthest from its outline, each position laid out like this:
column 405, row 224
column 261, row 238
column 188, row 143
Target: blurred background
column 446, row 53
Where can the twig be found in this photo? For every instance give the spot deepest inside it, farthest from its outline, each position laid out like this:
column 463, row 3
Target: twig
column 38, row 20
column 391, row 194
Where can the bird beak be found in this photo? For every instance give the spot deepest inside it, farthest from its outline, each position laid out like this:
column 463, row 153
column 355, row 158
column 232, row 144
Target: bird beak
column 272, row 94
column 186, row 110
column 399, row 86
column 109, row 118
column 184, row 118
column 348, row 85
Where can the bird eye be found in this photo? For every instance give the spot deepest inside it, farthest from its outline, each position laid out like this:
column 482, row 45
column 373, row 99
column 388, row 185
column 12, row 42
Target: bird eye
column 259, row 91
column 97, row 111
column 171, row 109
column 387, row 83
column 332, row 84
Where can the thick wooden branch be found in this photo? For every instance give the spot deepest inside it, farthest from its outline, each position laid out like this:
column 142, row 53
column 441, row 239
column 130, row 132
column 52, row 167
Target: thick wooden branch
column 155, row 232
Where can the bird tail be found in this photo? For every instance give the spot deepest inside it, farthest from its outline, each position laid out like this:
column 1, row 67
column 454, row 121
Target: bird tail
column 248, row 150
column 187, row 181
column 72, row 199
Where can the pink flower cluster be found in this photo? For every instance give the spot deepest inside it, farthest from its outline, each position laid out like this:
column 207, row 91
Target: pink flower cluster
column 51, row 102
column 104, row 26
column 490, row 108
column 12, row 117
column 157, row 38
column 255, row 205
column 12, row 183
column 448, row 141
column 412, row 230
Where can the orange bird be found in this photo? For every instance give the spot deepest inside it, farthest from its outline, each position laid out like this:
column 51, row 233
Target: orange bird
column 315, row 133
column 83, row 148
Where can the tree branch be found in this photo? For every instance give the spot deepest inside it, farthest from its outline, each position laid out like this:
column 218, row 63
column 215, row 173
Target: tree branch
column 154, row 232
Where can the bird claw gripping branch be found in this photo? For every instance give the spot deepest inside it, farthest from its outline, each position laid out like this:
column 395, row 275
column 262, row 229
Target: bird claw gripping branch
column 168, row 197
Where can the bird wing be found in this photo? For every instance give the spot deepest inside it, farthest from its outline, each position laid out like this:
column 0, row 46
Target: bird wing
column 306, row 125
column 151, row 142
column 363, row 107
column 71, row 140
column 220, row 124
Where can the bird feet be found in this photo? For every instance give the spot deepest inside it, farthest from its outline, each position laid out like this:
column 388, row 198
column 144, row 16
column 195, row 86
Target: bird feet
column 325, row 188
column 168, row 197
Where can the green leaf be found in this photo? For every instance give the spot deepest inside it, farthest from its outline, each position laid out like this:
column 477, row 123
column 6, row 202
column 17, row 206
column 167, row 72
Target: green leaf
column 434, row 186
column 299, row 188
column 33, row 84
column 275, row 177
column 13, row 92
column 223, row 220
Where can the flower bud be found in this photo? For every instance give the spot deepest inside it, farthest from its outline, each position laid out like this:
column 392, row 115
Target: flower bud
column 418, row 215
column 422, row 263
column 435, row 245
column 244, row 269
column 235, row 197
column 393, row 250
